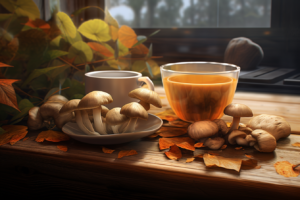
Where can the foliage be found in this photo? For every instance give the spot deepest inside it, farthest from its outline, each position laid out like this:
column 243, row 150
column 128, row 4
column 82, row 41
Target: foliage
column 41, row 58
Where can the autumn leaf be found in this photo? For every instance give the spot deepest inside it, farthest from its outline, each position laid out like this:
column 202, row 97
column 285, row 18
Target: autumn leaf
column 81, row 52
column 113, row 32
column 103, row 49
column 238, row 148
column 189, row 160
column 110, row 20
column 178, row 123
column 123, row 153
column 4, row 65
column 13, row 133
column 139, row 50
column 168, row 115
column 25, row 138
column 171, row 131
column 174, row 153
column 52, row 136
column 219, row 161
column 95, row 29
column 7, row 93
column 250, row 164
column 248, row 156
column 127, row 36
column 38, row 23
column 286, row 169
column 62, row 147
column 153, row 135
column 297, row 144
column 199, row 145
column 183, row 142
column 65, row 24
column 22, row 8
column 107, row 150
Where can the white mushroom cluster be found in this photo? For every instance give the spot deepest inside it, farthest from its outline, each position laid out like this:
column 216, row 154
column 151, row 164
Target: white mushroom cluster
column 261, row 131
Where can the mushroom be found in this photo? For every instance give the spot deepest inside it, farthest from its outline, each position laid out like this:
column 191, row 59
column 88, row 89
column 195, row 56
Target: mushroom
column 94, row 100
column 251, row 140
column 237, row 137
column 146, row 96
column 222, row 126
column 50, row 111
column 237, row 111
column 275, row 125
column 71, row 106
column 35, row 120
column 265, row 141
column 202, row 129
column 247, row 130
column 133, row 111
column 115, row 119
column 214, row 143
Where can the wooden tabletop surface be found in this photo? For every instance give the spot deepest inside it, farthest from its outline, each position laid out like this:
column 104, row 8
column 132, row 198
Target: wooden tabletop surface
column 84, row 170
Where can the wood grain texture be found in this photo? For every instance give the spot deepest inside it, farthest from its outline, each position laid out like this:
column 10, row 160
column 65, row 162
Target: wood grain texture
column 32, row 169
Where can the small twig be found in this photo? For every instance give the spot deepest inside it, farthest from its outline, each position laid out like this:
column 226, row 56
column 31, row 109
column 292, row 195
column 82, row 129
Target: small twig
column 18, row 89
column 68, row 63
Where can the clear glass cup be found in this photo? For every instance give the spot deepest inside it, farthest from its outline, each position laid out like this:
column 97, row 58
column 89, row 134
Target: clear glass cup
column 199, row 90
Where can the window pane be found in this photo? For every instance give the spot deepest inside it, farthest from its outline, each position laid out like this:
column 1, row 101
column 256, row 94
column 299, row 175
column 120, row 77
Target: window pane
column 191, row 13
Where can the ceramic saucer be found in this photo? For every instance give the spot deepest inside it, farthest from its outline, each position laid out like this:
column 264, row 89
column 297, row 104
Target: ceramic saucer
column 144, row 128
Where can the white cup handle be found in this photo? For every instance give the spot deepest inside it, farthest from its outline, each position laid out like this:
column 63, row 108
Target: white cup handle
column 148, row 81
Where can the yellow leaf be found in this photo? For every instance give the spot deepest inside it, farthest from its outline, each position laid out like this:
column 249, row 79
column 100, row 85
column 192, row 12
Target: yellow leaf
column 110, row 20
column 219, row 161
column 22, row 8
column 127, row 36
column 113, row 32
column 81, row 51
column 95, row 29
column 103, row 49
column 65, row 24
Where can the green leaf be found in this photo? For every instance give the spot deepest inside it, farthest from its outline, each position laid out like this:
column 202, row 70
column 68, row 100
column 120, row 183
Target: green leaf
column 81, row 51
column 149, row 69
column 4, row 17
column 2, row 131
column 65, row 24
column 141, row 39
column 79, row 75
column 73, row 40
column 87, row 68
column 155, row 32
column 37, row 73
column 149, row 55
column 95, row 29
column 25, row 105
column 62, row 71
column 16, row 24
column 76, row 87
column 77, row 12
column 40, row 83
column 110, row 20
column 22, row 8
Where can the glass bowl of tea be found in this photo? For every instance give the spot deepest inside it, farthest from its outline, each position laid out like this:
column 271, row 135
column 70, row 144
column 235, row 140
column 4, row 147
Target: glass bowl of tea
column 199, row 91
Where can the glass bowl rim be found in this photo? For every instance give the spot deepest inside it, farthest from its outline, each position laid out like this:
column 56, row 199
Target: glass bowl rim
column 237, row 68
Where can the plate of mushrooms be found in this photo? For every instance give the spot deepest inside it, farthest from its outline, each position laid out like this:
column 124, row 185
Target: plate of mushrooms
column 96, row 124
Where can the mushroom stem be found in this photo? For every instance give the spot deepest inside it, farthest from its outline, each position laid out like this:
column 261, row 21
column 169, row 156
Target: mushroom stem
column 81, row 125
column 234, row 124
column 241, row 141
column 131, row 125
column 115, row 129
column 86, row 121
column 98, row 121
column 122, row 127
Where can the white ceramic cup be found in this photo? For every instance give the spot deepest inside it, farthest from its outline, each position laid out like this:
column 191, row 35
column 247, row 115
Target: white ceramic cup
column 117, row 83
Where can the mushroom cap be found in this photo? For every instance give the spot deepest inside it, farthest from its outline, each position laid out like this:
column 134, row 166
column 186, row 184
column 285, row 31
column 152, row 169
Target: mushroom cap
column 94, row 99
column 57, row 98
column 35, row 120
column 251, row 140
column 70, row 106
column 145, row 105
column 104, row 111
column 265, row 141
column 223, row 129
column 235, row 134
column 214, row 143
column 146, row 95
column 238, row 110
column 202, row 129
column 275, row 125
column 247, row 130
column 134, row 110
column 114, row 117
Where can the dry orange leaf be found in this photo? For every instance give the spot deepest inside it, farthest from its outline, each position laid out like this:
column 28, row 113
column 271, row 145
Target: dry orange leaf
column 62, row 147
column 179, row 123
column 13, row 133
column 140, row 49
column 52, row 136
column 171, row 131
column 174, row 153
column 7, row 93
column 38, row 23
column 113, row 32
column 107, row 150
column 228, row 124
column 199, row 156
column 168, row 115
column 123, row 153
column 153, row 135
column 219, row 161
column 224, row 146
column 286, row 169
column 188, row 160
column 297, row 144
column 248, row 156
column 238, row 148
column 183, row 142
column 25, row 138
column 4, row 65
column 250, row 163
column 213, row 153
column 199, row 144
column 100, row 48
column 127, row 36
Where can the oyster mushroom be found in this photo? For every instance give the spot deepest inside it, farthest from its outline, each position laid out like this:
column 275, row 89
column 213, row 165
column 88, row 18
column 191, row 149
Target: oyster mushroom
column 202, row 129
column 237, row 111
column 146, row 96
column 94, row 100
column 275, row 125
column 133, row 111
column 115, row 119
column 265, row 141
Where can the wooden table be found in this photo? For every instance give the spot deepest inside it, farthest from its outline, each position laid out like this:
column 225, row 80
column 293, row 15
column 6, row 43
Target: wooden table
column 41, row 170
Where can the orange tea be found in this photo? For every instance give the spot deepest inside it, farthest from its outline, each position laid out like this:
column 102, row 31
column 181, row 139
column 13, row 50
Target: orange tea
column 199, row 97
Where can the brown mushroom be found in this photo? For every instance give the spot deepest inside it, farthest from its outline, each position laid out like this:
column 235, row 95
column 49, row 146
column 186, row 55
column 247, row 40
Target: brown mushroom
column 237, row 137
column 202, row 129
column 115, row 119
column 265, row 141
column 146, row 96
column 275, row 125
column 214, row 143
column 35, row 120
column 222, row 126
